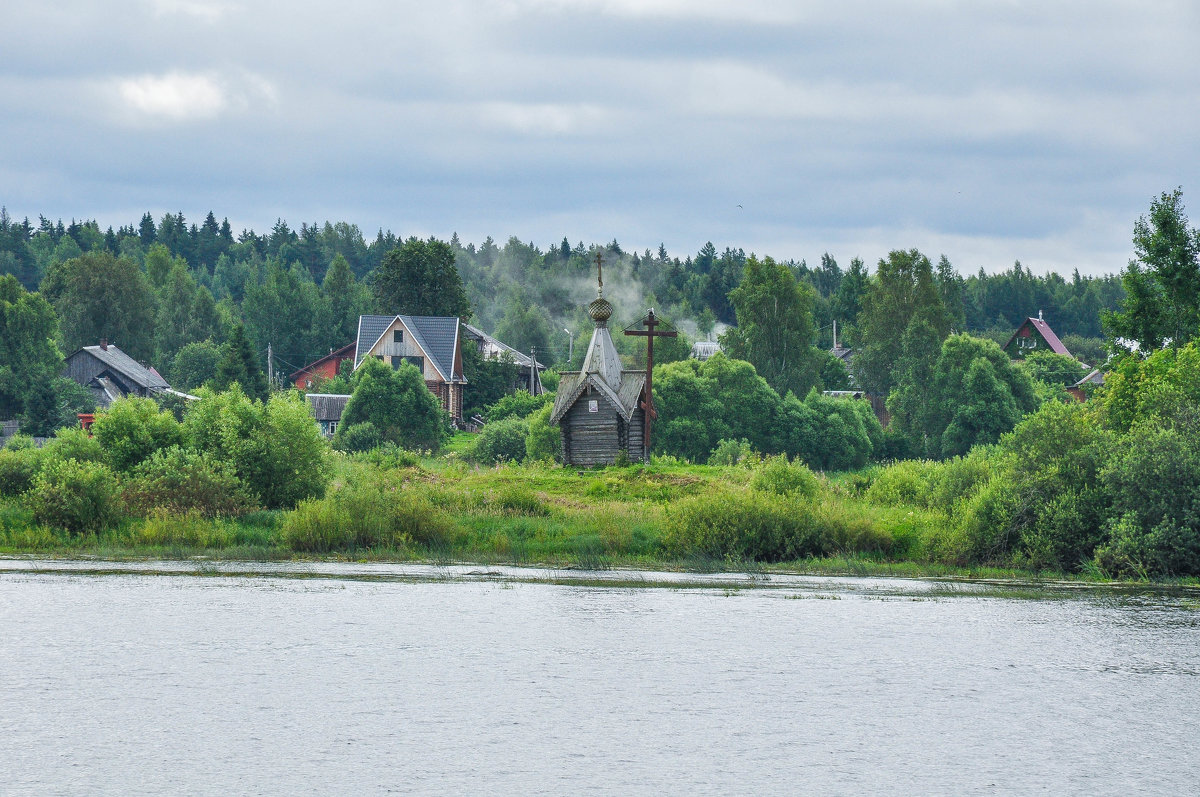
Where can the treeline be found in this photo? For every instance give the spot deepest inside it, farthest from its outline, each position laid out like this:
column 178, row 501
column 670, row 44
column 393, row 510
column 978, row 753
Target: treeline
column 300, row 289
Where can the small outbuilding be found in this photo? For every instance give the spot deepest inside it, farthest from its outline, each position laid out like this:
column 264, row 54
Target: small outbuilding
column 600, row 407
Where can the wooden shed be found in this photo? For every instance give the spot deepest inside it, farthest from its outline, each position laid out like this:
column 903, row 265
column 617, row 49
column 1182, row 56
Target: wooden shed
column 599, row 408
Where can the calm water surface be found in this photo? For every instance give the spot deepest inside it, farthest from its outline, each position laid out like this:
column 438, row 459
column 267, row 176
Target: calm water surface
column 370, row 680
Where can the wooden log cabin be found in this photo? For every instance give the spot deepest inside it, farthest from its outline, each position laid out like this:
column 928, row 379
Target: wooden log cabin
column 599, row 408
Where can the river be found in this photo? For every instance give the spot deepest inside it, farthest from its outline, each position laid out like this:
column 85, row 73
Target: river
column 374, row 679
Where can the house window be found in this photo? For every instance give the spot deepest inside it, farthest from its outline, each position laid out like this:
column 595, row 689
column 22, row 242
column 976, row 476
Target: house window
column 332, row 428
column 397, row 336
column 419, row 362
column 593, row 406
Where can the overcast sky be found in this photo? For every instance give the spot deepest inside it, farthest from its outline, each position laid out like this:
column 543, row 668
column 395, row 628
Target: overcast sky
column 987, row 131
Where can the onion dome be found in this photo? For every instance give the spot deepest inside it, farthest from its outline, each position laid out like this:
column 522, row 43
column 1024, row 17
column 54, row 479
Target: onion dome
column 600, row 310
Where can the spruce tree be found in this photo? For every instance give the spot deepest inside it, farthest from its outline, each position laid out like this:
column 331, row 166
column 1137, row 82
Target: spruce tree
column 239, row 364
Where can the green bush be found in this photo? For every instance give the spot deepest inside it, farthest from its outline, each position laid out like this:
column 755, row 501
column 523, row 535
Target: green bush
column 517, row 405
column 389, row 456
column 515, row 499
column 502, row 441
column 731, row 452
column 902, row 483
column 74, row 443
column 275, row 448
column 132, row 429
column 358, row 437
column 543, row 443
column 18, row 467
column 365, row 515
column 183, row 481
column 777, row 475
column 79, row 497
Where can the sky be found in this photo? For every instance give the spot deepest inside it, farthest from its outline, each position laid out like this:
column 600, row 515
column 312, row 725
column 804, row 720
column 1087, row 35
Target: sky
column 988, row 131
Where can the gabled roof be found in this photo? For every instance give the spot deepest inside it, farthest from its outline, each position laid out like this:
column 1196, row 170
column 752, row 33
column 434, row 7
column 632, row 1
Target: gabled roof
column 327, row 406
column 1045, row 331
column 437, row 336
column 342, row 353
column 523, row 360
column 1094, row 377
column 573, row 383
column 125, row 366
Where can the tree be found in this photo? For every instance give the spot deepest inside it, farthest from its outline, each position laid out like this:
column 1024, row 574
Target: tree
column 28, row 354
column 487, row 380
column 345, row 300
column 971, row 396
column 397, row 403
column 99, row 296
column 132, row 429
column 194, row 364
column 420, row 278
column 1162, row 286
column 903, row 290
column 275, row 448
column 775, row 327
column 525, row 325
column 239, row 365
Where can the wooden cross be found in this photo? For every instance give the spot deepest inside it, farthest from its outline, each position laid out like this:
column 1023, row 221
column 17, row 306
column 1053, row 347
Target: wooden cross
column 649, row 333
column 599, row 270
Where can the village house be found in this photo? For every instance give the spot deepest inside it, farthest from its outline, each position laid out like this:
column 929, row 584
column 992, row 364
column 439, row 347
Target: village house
column 431, row 344
column 528, row 371
column 1034, row 334
column 325, row 368
column 110, row 374
column 599, row 408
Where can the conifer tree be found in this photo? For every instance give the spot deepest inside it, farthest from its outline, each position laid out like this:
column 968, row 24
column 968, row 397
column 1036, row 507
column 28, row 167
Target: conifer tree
column 239, row 364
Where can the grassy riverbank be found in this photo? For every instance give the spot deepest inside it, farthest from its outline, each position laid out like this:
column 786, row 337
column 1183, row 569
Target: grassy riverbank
column 764, row 517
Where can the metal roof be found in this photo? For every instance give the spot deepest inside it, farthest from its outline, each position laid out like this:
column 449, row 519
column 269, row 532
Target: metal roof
column 1047, row 334
column 523, row 360
column 437, row 336
column 343, row 352
column 120, row 362
column 327, row 406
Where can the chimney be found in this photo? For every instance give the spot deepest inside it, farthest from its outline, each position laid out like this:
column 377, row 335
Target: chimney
column 103, row 344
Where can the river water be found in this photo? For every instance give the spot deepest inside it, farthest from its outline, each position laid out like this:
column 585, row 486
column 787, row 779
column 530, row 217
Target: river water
column 343, row 679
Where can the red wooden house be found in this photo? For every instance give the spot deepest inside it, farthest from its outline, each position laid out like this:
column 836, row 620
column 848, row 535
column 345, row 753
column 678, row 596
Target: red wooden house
column 324, row 368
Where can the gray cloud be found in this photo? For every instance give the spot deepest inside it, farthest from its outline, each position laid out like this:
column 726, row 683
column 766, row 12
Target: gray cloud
column 987, row 131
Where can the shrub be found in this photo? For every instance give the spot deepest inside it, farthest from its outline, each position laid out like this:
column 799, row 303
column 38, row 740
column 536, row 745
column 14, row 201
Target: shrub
column 389, row 456
column 79, row 497
column 358, row 437
column 731, row 452
column 275, row 448
column 18, row 467
column 517, row 500
column 777, row 475
column 543, row 443
column 74, row 443
column 904, row 482
column 365, row 515
column 502, row 441
column 132, row 429
column 183, row 481
column 517, row 405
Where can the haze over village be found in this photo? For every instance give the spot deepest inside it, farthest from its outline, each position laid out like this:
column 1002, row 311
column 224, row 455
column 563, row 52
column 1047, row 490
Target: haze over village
column 607, row 396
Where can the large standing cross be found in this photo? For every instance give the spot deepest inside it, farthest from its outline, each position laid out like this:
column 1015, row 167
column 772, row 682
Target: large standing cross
column 649, row 333
column 600, row 271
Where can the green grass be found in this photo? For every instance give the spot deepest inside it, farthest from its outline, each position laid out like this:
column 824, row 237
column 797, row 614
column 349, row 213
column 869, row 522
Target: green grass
column 589, row 519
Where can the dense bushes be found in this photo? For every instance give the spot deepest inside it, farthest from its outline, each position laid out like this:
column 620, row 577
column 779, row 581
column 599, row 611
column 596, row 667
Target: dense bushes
column 365, row 515
column 501, row 441
column 182, row 481
column 78, row 497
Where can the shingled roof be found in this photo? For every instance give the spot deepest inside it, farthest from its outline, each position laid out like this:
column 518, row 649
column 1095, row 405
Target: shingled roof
column 1045, row 331
column 436, row 335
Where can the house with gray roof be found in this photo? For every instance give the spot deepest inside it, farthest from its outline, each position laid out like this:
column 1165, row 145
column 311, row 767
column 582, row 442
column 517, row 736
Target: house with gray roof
column 327, row 408
column 528, row 370
column 430, row 343
column 110, row 374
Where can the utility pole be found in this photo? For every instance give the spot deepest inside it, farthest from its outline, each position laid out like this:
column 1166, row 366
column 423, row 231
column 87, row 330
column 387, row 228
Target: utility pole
column 533, row 371
column 650, row 322
column 270, row 369
column 570, row 344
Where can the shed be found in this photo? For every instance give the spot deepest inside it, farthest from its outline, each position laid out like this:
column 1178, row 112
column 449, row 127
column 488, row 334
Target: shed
column 327, row 409
column 599, row 408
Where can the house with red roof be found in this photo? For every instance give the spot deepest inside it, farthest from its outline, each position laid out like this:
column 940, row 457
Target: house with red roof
column 1034, row 335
